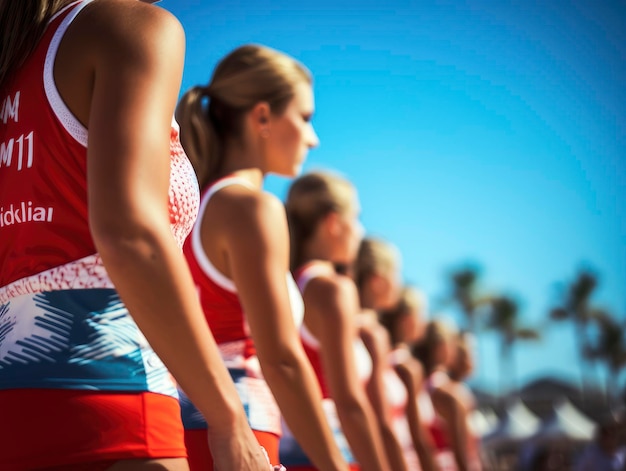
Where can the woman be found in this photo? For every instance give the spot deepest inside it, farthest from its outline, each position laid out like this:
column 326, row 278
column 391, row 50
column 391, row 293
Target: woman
column 322, row 210
column 97, row 197
column 436, row 351
column 406, row 324
column 377, row 275
column 459, row 370
column 253, row 118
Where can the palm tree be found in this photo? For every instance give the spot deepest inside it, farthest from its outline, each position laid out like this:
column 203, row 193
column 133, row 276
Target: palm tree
column 503, row 317
column 464, row 293
column 610, row 349
column 576, row 308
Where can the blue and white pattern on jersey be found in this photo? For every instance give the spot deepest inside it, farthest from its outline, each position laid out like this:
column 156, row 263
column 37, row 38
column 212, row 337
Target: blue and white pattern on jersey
column 77, row 339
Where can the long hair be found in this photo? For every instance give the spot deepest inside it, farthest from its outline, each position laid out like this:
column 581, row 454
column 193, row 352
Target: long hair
column 22, row 23
column 411, row 301
column 210, row 115
column 437, row 333
column 375, row 256
column 309, row 199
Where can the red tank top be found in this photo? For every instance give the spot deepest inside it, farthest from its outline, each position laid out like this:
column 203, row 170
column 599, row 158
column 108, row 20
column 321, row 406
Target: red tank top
column 218, row 294
column 311, row 345
column 44, row 222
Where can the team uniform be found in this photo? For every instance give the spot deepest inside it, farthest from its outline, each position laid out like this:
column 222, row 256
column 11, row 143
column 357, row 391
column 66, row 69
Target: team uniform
column 227, row 320
column 291, row 454
column 78, row 381
column 437, row 426
column 398, row 397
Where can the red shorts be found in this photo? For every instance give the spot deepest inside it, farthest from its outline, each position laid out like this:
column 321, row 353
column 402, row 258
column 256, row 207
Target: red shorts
column 56, row 427
column 200, row 456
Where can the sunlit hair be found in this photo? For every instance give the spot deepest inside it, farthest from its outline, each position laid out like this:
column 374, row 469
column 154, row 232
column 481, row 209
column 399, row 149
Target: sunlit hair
column 375, row 257
column 411, row 300
column 22, row 23
column 310, row 198
column 436, row 334
column 210, row 115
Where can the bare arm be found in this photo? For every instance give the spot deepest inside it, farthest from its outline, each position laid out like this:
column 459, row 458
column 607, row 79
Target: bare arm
column 257, row 250
column 136, row 52
column 410, row 373
column 331, row 305
column 453, row 412
column 378, row 345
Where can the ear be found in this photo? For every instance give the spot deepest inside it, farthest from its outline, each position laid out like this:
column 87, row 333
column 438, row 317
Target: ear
column 260, row 117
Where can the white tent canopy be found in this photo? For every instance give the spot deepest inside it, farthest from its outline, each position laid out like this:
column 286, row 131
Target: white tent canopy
column 517, row 424
column 482, row 421
column 565, row 422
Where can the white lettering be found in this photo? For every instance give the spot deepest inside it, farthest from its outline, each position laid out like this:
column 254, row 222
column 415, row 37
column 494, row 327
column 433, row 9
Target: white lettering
column 6, row 151
column 24, row 212
column 10, row 108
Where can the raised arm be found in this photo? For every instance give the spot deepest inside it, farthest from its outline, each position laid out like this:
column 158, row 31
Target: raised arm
column 257, row 250
column 331, row 305
column 135, row 64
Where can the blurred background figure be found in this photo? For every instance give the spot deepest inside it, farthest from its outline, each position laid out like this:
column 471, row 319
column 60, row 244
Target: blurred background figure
column 608, row 450
column 405, row 324
column 323, row 213
column 378, row 279
column 436, row 351
column 459, row 370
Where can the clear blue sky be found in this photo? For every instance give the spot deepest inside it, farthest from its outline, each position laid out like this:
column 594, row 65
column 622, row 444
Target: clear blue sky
column 491, row 132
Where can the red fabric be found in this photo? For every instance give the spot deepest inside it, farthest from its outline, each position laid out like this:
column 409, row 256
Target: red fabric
column 221, row 307
column 56, row 427
column 200, row 456
column 44, row 198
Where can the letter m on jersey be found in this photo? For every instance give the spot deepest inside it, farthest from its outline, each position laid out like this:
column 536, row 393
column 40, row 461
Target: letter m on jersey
column 10, row 108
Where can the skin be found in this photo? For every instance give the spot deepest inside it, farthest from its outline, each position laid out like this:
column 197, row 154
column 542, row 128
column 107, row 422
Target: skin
column 118, row 70
column 460, row 369
column 244, row 233
column 380, row 291
column 331, row 305
column 408, row 328
column 376, row 341
column 411, row 373
column 448, row 404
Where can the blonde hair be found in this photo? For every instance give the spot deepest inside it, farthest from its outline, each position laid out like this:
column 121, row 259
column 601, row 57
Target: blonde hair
column 209, row 115
column 375, row 256
column 437, row 332
column 411, row 300
column 22, row 23
column 309, row 199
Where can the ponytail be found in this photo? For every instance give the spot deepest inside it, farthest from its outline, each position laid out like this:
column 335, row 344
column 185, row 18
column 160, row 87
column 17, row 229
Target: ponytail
column 211, row 115
column 198, row 135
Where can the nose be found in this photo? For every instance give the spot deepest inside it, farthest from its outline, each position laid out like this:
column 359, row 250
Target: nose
column 313, row 140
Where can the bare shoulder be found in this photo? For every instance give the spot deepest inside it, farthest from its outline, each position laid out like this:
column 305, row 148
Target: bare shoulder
column 334, row 295
column 249, row 214
column 128, row 27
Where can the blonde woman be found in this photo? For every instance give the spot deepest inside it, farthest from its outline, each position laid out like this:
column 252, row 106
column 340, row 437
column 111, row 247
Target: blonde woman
column 377, row 275
column 96, row 198
column 406, row 325
column 437, row 350
column 323, row 214
column 253, row 118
